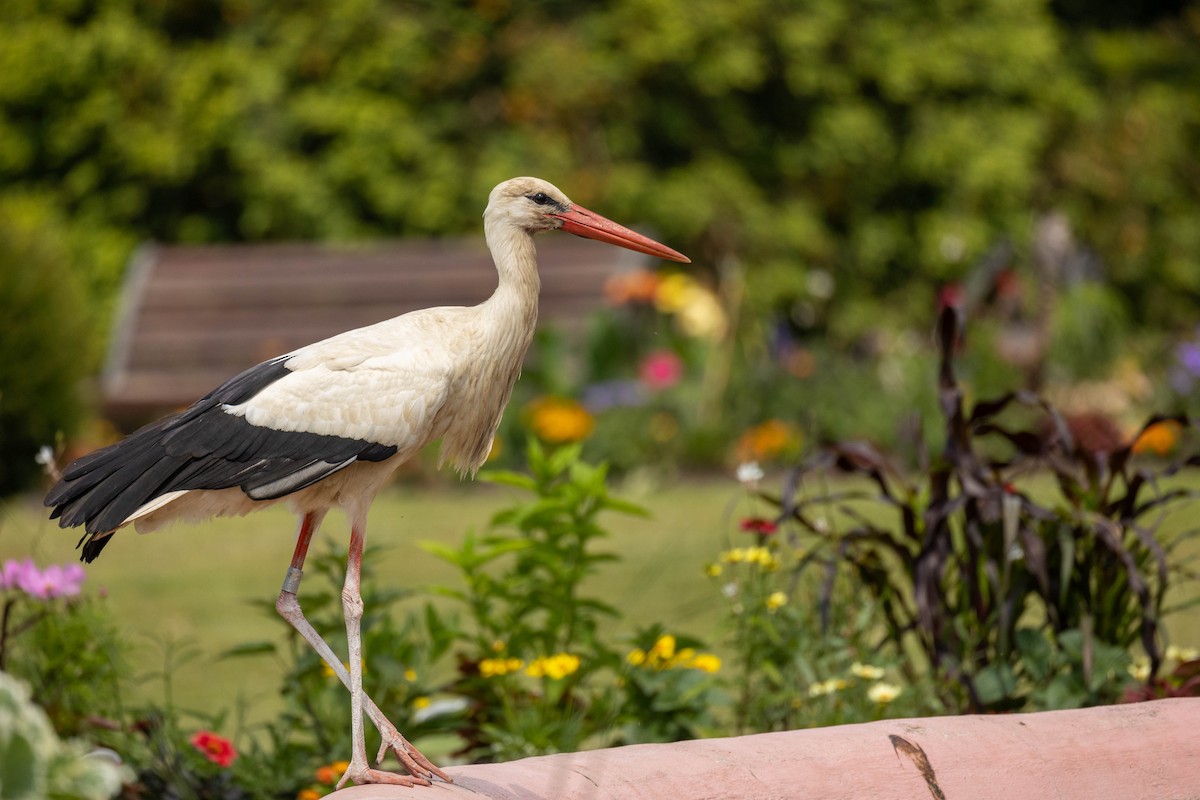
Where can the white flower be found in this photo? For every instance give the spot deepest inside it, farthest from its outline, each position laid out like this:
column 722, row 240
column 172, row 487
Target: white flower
column 866, row 671
column 883, row 693
column 1177, row 653
column 749, row 472
column 45, row 457
column 828, row 686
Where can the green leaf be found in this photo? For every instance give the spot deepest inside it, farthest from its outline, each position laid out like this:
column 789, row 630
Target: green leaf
column 248, row 649
column 995, row 684
column 508, row 478
column 1036, row 653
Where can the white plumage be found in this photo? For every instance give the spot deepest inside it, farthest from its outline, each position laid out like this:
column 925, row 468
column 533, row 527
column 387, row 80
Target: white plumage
column 326, row 425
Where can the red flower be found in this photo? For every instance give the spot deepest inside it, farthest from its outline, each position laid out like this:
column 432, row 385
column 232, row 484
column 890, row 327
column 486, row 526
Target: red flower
column 759, row 525
column 216, row 749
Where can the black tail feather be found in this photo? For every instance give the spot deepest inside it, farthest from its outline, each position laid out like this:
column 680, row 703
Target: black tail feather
column 204, row 448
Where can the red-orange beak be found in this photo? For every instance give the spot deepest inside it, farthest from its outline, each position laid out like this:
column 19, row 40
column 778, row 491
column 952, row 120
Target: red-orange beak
column 590, row 225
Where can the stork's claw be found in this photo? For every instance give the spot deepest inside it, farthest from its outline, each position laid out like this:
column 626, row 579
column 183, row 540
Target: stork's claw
column 410, row 757
column 361, row 774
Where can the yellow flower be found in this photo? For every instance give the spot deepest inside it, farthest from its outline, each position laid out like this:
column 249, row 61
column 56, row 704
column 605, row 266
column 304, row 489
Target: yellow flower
column 493, row 667
column 703, row 317
column 421, row 702
column 1181, row 654
column 883, row 693
column 328, row 672
column 866, row 671
column 760, row 556
column 498, row 646
column 556, row 667
column 664, row 654
column 664, row 648
column 713, row 570
column 674, row 292
column 558, row 420
column 1140, row 670
column 776, row 601
column 410, row 675
column 827, row 687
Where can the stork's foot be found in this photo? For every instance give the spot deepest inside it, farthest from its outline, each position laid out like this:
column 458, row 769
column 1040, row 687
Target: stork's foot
column 410, row 757
column 360, row 773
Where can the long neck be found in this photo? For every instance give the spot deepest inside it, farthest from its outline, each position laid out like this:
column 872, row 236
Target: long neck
column 516, row 296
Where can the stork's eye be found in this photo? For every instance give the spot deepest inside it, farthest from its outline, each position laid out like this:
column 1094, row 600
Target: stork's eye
column 540, row 198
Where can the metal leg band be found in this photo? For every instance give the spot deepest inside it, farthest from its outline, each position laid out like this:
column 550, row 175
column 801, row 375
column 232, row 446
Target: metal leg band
column 291, row 581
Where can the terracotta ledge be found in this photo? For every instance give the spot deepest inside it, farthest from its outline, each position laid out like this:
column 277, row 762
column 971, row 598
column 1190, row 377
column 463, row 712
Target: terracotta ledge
column 1143, row 750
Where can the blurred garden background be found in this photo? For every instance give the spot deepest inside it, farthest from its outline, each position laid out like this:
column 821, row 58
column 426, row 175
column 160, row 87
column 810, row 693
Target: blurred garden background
column 900, row 214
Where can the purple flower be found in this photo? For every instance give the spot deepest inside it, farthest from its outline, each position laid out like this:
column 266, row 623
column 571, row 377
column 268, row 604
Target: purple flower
column 1188, row 355
column 600, row 397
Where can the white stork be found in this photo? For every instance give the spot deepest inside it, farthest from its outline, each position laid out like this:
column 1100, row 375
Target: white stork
column 327, row 424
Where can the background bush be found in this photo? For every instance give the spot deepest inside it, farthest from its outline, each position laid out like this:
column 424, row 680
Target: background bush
column 45, row 351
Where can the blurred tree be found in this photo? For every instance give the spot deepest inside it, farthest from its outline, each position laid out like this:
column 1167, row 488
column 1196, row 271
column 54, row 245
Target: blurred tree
column 852, row 154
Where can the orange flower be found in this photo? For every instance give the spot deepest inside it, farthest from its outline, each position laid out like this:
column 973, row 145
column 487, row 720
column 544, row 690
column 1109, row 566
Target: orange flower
column 1160, row 438
column 308, row 794
column 216, row 749
column 634, row 286
column 558, row 420
column 772, row 439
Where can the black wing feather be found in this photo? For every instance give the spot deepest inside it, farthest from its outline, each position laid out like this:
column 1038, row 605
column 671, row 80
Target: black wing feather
column 203, row 447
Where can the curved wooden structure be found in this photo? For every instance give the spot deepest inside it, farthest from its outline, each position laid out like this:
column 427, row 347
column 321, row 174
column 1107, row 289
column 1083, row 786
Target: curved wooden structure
column 1132, row 752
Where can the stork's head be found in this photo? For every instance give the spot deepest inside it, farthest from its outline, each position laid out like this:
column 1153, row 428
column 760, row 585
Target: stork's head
column 534, row 205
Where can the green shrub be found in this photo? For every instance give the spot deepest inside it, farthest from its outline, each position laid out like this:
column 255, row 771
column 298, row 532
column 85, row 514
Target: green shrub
column 1014, row 600
column 42, row 355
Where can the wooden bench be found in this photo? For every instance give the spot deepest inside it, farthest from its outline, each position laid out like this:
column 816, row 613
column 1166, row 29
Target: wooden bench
column 191, row 317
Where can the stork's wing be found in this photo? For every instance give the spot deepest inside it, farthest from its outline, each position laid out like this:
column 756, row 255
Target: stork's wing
column 271, row 431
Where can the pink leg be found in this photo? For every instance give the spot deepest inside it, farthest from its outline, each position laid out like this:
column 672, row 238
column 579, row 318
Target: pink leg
column 288, row 607
column 359, row 770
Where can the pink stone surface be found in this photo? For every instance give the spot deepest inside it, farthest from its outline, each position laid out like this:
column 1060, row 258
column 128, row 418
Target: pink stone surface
column 1132, row 752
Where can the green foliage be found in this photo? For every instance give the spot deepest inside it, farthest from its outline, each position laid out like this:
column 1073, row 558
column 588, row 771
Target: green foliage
column 70, row 654
column 802, row 657
column 1090, row 331
column 35, row 763
column 536, row 673
column 43, row 355
column 970, row 557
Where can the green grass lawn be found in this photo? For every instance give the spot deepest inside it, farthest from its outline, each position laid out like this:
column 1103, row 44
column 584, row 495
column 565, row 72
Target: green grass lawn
column 197, row 584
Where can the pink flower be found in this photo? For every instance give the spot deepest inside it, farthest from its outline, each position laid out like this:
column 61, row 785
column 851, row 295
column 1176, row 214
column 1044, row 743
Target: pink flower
column 12, row 574
column 216, row 749
column 54, row 581
column 660, row 370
